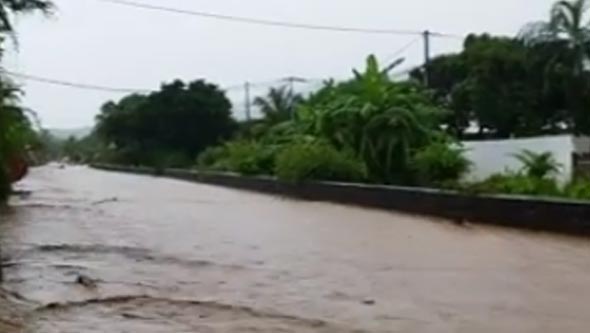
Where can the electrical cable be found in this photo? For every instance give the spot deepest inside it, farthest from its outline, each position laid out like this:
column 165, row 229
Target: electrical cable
column 267, row 22
column 87, row 86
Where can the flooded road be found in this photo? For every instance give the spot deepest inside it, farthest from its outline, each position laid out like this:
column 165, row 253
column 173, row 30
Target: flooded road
column 91, row 251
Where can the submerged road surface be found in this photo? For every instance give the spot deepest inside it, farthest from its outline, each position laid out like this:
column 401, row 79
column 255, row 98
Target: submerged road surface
column 90, row 251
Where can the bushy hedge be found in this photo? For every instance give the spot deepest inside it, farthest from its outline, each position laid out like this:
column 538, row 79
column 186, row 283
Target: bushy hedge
column 517, row 184
column 439, row 163
column 578, row 189
column 303, row 159
column 318, row 161
column 244, row 157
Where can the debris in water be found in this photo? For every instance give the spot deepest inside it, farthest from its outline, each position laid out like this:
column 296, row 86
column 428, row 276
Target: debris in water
column 86, row 281
column 100, row 202
column 133, row 316
column 22, row 194
column 369, row 302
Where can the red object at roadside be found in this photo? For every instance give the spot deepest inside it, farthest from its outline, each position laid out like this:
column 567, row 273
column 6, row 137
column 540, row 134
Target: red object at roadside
column 17, row 169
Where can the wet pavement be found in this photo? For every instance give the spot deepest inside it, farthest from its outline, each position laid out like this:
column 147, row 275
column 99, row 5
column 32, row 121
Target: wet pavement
column 91, row 251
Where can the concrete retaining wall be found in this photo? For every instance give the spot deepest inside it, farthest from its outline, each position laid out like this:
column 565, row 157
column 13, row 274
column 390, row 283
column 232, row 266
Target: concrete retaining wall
column 564, row 216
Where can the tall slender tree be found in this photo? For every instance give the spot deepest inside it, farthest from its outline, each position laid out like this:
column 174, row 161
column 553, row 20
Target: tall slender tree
column 567, row 33
column 569, row 24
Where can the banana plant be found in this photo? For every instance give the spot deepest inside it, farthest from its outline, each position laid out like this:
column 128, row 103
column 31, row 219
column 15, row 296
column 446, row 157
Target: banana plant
column 383, row 122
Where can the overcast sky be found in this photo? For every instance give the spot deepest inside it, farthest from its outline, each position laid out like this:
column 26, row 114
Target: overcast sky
column 106, row 44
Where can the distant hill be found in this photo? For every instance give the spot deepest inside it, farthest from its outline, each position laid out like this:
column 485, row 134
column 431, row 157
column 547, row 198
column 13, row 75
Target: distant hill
column 64, row 133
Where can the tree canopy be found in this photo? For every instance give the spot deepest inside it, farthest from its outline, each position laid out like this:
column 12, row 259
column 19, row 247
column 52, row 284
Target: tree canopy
column 175, row 123
column 507, row 87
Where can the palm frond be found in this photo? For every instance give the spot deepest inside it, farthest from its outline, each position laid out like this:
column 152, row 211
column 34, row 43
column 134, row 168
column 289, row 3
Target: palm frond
column 536, row 33
column 278, row 104
column 538, row 165
column 565, row 13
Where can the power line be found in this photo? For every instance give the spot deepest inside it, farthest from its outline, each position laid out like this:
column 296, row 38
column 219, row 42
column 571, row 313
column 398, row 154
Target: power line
column 74, row 84
column 259, row 84
column 401, row 50
column 266, row 22
column 87, row 86
column 95, row 87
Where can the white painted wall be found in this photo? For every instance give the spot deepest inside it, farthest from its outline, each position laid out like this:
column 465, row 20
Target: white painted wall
column 490, row 157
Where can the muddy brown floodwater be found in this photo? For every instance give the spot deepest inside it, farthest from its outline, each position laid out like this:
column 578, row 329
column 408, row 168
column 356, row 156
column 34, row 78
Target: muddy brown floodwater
column 90, row 251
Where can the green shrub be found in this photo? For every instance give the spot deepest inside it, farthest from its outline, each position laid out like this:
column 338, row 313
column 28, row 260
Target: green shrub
column 210, row 156
column 577, row 189
column 244, row 157
column 439, row 163
column 317, row 161
column 516, row 183
column 169, row 159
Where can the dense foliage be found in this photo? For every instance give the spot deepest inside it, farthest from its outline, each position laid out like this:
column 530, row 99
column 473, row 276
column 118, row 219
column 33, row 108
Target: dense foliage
column 439, row 163
column 368, row 128
column 15, row 129
column 246, row 157
column 169, row 127
column 16, row 134
column 381, row 121
column 315, row 159
column 515, row 183
column 506, row 87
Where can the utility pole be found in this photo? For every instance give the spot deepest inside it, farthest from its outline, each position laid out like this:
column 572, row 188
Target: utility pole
column 291, row 82
column 426, row 34
column 247, row 101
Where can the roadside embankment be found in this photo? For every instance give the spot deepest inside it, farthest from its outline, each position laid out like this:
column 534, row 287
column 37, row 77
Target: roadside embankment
column 534, row 213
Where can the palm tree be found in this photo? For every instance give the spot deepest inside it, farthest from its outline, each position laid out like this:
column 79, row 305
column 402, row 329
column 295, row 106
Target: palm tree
column 14, row 125
column 538, row 165
column 381, row 121
column 567, row 37
column 279, row 104
column 568, row 24
column 11, row 7
column 10, row 113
